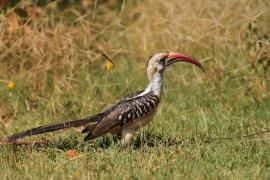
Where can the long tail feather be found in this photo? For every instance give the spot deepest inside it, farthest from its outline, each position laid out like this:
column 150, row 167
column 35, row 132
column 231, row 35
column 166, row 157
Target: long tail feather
column 53, row 127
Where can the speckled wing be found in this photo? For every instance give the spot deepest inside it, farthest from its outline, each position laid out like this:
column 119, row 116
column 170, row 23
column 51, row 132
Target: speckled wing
column 107, row 112
column 126, row 111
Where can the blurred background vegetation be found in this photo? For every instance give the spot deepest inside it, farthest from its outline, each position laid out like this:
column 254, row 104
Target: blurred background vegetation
column 52, row 68
column 47, row 46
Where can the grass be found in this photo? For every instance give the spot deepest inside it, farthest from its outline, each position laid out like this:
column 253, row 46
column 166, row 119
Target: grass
column 213, row 125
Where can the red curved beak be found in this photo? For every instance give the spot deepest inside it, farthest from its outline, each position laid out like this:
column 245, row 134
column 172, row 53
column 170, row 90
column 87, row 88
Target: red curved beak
column 178, row 57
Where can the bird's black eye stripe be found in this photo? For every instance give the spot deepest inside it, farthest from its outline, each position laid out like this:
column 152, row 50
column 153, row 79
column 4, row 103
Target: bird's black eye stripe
column 162, row 60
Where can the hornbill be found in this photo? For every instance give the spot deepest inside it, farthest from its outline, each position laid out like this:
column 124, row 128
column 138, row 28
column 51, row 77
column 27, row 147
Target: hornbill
column 128, row 114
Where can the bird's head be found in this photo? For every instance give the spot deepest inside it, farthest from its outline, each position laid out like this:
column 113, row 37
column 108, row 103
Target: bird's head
column 158, row 62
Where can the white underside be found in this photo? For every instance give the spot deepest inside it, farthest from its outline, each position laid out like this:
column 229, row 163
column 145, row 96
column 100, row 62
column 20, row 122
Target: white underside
column 155, row 85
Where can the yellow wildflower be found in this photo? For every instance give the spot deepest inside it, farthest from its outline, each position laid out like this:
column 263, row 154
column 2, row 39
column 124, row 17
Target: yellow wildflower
column 108, row 65
column 77, row 173
column 11, row 85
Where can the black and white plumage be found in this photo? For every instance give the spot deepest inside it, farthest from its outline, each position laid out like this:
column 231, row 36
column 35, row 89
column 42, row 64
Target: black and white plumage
column 128, row 114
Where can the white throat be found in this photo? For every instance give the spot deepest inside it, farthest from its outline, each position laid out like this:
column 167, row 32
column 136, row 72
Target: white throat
column 155, row 85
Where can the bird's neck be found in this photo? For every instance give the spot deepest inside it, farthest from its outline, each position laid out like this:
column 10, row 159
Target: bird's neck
column 155, row 84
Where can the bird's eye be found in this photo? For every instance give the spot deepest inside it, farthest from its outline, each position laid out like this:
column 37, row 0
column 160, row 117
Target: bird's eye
column 162, row 60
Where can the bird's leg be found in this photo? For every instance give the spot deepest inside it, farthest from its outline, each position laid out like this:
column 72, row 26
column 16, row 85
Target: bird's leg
column 127, row 135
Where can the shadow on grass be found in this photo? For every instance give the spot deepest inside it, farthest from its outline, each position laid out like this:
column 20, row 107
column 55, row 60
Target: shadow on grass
column 146, row 139
column 154, row 139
